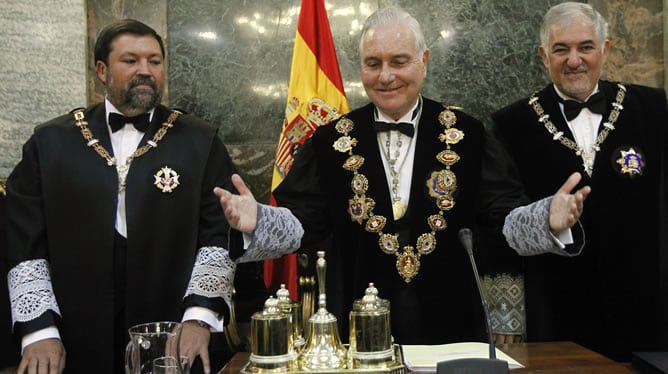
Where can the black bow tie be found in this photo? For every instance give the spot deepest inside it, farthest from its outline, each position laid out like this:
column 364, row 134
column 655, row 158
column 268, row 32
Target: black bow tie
column 403, row 127
column 117, row 121
column 596, row 104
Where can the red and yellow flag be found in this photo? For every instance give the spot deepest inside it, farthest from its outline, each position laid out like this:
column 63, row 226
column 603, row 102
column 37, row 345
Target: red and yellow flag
column 315, row 97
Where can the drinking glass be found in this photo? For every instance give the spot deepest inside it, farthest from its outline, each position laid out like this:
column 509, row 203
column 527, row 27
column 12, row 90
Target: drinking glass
column 170, row 365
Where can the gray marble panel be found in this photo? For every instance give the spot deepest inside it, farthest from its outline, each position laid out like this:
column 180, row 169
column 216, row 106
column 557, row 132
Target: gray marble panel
column 636, row 35
column 230, row 61
column 42, row 68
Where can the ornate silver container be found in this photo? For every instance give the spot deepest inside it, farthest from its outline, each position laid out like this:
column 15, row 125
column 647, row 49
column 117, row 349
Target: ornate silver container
column 370, row 332
column 271, row 339
column 294, row 310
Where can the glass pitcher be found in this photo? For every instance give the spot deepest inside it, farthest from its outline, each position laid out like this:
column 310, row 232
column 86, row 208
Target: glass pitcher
column 149, row 341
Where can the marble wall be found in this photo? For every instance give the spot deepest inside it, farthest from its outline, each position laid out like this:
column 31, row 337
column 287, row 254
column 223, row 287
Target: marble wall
column 229, row 61
column 42, row 68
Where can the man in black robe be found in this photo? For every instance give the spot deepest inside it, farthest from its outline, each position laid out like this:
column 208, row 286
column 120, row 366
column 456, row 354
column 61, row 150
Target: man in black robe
column 114, row 223
column 394, row 201
column 610, row 297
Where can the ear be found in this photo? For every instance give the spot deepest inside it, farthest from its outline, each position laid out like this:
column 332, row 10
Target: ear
column 425, row 59
column 101, row 69
column 543, row 56
column 606, row 48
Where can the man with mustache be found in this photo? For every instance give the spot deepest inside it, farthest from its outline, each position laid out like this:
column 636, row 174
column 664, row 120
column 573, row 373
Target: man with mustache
column 612, row 295
column 112, row 221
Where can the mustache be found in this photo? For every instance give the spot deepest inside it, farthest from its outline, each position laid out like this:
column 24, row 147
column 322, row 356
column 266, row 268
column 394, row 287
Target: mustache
column 141, row 81
column 579, row 69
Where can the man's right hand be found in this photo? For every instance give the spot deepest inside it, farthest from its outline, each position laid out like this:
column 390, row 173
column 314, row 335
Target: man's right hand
column 240, row 210
column 44, row 357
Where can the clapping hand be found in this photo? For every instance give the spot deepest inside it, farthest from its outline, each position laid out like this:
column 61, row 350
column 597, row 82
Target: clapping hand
column 566, row 207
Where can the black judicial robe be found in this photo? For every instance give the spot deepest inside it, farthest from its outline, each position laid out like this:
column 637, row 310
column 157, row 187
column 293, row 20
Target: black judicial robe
column 62, row 199
column 612, row 297
column 441, row 303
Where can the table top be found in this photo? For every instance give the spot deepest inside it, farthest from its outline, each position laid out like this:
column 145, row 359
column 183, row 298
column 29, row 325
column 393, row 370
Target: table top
column 548, row 357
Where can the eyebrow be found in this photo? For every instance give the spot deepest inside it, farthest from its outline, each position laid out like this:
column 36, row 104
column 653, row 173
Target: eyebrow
column 561, row 44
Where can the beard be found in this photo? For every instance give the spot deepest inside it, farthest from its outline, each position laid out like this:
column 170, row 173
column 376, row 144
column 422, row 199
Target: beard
column 137, row 99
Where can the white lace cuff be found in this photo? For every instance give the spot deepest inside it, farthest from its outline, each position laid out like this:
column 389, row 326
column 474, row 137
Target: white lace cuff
column 527, row 230
column 213, row 274
column 278, row 232
column 505, row 295
column 30, row 290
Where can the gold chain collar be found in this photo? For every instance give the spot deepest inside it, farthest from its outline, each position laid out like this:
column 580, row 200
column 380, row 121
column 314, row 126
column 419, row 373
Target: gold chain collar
column 111, row 161
column 557, row 135
column 441, row 184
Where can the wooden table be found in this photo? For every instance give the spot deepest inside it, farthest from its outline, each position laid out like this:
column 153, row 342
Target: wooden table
column 561, row 357
column 552, row 357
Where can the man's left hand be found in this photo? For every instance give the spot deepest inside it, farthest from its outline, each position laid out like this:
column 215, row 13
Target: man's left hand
column 195, row 342
column 566, row 207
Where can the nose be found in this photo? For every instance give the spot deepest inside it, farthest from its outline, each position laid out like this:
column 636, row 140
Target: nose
column 386, row 74
column 143, row 67
column 574, row 59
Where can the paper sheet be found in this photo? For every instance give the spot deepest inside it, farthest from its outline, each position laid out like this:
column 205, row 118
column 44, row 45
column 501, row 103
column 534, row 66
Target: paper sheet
column 425, row 357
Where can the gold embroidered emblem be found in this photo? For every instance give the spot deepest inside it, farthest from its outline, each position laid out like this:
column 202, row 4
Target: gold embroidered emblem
column 166, row 179
column 631, row 162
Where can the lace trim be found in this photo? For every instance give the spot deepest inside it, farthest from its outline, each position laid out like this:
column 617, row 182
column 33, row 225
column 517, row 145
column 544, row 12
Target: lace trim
column 278, row 233
column 527, row 230
column 30, row 290
column 505, row 294
column 213, row 274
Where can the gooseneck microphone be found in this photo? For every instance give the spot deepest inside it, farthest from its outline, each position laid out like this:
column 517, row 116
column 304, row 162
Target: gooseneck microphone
column 466, row 238
column 490, row 365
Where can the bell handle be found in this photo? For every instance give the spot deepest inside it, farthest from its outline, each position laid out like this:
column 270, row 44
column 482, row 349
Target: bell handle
column 321, row 267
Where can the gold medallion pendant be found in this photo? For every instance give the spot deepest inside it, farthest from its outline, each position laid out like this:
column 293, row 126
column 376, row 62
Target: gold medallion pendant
column 408, row 264
column 398, row 209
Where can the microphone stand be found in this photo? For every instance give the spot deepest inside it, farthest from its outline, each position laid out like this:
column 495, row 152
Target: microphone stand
column 490, row 365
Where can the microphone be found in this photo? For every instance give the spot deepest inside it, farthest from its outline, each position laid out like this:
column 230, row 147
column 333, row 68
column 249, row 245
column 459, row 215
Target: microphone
column 492, row 365
column 466, row 238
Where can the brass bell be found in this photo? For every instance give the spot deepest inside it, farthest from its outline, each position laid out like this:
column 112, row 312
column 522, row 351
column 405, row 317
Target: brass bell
column 323, row 349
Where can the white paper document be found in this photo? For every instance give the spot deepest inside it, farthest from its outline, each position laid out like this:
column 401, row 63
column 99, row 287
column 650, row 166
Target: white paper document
column 424, row 358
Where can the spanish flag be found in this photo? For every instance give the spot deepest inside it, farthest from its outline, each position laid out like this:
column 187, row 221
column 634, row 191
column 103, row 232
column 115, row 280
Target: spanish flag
column 315, row 97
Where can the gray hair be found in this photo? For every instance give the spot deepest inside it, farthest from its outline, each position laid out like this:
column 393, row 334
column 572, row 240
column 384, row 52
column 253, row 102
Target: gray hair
column 567, row 13
column 391, row 15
